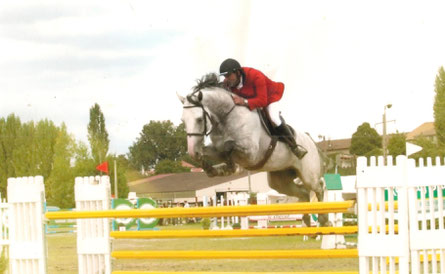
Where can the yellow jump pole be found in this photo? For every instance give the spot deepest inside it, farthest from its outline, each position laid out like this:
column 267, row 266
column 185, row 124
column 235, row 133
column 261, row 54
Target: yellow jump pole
column 163, row 234
column 202, row 272
column 300, row 231
column 249, row 210
column 235, row 254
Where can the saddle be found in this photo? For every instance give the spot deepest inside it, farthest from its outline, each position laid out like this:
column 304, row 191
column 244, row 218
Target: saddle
column 270, row 126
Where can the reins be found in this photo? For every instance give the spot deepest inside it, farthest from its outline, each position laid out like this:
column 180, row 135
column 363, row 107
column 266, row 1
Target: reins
column 205, row 114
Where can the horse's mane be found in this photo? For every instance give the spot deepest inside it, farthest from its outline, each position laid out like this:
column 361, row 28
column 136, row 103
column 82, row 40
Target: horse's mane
column 209, row 80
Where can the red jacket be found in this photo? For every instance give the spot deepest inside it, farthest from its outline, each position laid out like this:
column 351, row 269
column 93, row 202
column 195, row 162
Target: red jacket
column 258, row 89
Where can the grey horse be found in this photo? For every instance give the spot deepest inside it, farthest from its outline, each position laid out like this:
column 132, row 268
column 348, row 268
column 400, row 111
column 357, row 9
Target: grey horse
column 239, row 138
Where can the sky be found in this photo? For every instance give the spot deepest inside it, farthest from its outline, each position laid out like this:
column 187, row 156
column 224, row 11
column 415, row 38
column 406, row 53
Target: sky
column 341, row 61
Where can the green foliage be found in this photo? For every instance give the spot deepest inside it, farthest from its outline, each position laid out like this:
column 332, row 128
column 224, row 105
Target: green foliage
column 430, row 149
column 4, row 261
column 346, row 171
column 374, row 152
column 205, row 223
column 121, row 168
column 31, row 149
column 61, row 181
column 169, row 166
column 187, row 158
column 84, row 164
column 9, row 137
column 158, row 141
column 252, row 198
column 97, row 134
column 397, row 144
column 366, row 141
column 439, row 107
column 132, row 174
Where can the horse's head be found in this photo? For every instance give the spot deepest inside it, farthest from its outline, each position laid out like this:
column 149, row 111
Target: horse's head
column 198, row 123
column 203, row 110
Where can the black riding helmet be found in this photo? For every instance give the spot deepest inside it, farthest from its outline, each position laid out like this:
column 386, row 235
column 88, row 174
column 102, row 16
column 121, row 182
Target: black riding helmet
column 229, row 66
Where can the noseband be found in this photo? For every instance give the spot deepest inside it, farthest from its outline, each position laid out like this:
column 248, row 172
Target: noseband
column 205, row 115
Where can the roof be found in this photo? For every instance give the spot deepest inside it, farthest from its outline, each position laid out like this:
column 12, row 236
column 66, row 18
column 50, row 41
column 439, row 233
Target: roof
column 178, row 182
column 425, row 129
column 334, row 145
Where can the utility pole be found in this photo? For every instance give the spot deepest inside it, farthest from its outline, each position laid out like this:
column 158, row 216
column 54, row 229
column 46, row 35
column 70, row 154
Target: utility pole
column 384, row 141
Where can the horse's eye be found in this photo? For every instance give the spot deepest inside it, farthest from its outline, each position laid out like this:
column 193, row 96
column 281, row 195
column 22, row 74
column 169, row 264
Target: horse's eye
column 199, row 120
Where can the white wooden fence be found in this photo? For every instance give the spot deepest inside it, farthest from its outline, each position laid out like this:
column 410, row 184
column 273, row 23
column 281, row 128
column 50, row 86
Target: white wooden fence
column 420, row 222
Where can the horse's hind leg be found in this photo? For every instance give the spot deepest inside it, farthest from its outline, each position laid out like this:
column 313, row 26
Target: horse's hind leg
column 283, row 182
column 319, row 192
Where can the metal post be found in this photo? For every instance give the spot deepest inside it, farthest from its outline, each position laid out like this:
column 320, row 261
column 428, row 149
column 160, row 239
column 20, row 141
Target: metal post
column 384, row 135
column 384, row 141
column 248, row 178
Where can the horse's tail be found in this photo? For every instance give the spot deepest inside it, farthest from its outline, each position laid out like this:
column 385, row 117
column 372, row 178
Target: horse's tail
column 325, row 162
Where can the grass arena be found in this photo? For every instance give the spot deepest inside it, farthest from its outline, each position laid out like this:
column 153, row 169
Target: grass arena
column 413, row 221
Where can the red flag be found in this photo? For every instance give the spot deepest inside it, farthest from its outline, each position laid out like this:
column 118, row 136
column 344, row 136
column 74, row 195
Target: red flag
column 103, row 167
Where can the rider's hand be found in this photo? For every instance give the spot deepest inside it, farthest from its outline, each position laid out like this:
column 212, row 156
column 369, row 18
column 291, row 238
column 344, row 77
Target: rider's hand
column 238, row 100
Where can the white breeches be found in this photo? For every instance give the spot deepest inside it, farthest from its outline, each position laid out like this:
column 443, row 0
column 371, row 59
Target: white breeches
column 274, row 112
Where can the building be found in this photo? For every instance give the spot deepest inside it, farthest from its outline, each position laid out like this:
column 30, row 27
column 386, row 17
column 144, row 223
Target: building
column 339, row 148
column 426, row 130
column 193, row 186
column 331, row 147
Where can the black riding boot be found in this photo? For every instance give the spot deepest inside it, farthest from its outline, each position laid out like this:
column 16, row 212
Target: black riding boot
column 284, row 131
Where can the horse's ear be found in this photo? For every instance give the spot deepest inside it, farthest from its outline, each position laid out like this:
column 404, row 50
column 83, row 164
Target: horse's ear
column 200, row 96
column 182, row 99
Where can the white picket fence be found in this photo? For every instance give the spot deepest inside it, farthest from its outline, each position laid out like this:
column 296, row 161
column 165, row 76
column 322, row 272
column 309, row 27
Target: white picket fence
column 405, row 246
column 378, row 246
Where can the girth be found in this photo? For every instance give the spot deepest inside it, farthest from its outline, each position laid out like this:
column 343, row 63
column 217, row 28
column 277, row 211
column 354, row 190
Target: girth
column 269, row 151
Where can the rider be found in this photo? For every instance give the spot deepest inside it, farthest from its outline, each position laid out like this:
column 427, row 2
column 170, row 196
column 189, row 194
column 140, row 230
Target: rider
column 251, row 88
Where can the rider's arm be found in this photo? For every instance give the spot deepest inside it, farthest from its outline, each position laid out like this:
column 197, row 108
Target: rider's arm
column 260, row 100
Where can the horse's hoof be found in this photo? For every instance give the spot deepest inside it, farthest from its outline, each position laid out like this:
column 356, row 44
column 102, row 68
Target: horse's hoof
column 212, row 173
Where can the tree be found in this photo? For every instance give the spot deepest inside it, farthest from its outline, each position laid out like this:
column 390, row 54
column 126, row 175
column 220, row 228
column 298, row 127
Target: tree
column 24, row 150
column 439, row 107
column 366, row 141
column 430, row 149
column 9, row 129
column 169, row 166
column 397, row 144
column 158, row 141
column 61, row 180
column 121, row 168
column 84, row 164
column 97, row 134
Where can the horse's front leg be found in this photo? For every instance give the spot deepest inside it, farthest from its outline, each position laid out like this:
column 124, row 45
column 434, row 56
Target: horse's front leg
column 222, row 169
column 227, row 167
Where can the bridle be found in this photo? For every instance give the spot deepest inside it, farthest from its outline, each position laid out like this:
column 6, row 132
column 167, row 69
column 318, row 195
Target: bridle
column 205, row 115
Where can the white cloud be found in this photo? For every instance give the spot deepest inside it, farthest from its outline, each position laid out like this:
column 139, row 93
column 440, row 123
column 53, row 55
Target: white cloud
column 341, row 61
